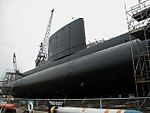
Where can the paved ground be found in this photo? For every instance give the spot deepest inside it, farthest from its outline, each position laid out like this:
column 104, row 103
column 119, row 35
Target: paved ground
column 19, row 110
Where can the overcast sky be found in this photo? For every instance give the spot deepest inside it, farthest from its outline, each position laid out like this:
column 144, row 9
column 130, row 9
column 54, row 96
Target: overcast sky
column 23, row 24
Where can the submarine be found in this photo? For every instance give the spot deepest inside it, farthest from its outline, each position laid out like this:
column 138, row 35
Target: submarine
column 77, row 70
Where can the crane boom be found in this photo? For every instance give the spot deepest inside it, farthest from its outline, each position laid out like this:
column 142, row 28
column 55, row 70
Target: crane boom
column 47, row 35
column 14, row 62
column 43, row 52
column 16, row 70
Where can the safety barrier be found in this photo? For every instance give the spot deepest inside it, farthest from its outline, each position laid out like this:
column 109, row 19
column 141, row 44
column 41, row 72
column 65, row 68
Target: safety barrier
column 23, row 104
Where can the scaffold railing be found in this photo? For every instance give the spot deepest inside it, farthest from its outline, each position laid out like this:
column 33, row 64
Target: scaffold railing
column 140, row 12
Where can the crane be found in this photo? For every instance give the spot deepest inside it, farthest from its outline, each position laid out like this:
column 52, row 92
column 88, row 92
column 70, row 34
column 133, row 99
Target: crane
column 43, row 52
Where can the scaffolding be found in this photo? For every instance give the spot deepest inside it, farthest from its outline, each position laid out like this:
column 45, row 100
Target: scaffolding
column 9, row 77
column 6, row 86
column 138, row 21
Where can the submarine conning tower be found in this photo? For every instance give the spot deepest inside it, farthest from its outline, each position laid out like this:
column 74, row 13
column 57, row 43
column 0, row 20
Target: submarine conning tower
column 67, row 41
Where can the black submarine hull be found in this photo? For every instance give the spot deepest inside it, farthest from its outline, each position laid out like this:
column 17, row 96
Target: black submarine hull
column 103, row 73
column 77, row 70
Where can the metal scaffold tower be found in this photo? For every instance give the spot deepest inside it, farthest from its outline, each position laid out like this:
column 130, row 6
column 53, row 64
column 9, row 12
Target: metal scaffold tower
column 138, row 21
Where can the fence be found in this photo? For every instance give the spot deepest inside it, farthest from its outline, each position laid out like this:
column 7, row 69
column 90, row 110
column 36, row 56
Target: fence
column 140, row 103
